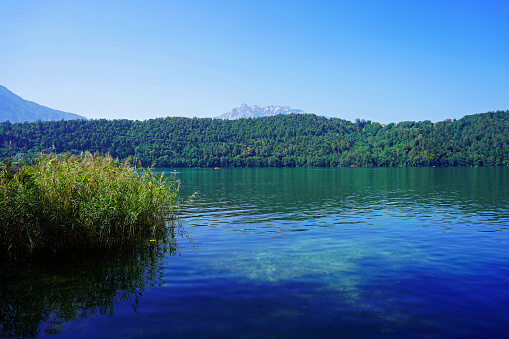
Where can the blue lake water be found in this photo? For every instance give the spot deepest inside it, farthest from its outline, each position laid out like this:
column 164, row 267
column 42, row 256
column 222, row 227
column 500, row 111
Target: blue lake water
column 295, row 253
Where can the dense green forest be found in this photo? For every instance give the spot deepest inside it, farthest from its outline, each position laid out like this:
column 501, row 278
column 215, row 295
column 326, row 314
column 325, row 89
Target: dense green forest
column 294, row 140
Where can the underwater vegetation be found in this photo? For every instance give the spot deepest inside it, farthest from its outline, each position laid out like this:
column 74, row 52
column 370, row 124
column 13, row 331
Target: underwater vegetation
column 69, row 204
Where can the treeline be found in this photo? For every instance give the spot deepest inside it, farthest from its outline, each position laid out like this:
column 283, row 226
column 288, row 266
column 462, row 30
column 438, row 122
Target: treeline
column 295, row 140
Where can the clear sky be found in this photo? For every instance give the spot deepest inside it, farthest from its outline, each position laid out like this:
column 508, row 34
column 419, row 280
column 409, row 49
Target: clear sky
column 385, row 61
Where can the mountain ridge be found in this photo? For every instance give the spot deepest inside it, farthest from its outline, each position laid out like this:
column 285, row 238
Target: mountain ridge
column 283, row 140
column 14, row 109
column 255, row 111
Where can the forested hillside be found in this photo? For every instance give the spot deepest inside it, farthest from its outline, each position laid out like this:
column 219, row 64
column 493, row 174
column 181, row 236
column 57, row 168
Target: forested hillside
column 294, row 140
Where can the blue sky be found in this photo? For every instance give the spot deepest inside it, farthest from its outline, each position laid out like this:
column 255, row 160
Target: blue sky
column 385, row 61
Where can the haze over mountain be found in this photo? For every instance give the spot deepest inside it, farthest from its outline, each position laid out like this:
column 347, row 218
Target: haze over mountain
column 16, row 109
column 245, row 111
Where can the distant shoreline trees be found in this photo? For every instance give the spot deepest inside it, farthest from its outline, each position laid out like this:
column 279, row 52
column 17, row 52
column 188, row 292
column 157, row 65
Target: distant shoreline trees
column 295, row 140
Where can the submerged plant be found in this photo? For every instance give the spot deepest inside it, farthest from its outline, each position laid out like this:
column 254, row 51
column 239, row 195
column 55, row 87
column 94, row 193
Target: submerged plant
column 66, row 202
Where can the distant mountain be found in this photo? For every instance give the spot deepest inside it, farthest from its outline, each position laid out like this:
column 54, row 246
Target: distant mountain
column 17, row 109
column 245, row 111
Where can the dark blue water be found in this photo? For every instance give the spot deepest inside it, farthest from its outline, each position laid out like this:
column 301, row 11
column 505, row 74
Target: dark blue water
column 298, row 253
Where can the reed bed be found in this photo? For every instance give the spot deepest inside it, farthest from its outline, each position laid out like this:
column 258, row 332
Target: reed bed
column 62, row 203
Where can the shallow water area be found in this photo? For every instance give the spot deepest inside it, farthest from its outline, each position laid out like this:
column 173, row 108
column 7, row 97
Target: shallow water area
column 398, row 252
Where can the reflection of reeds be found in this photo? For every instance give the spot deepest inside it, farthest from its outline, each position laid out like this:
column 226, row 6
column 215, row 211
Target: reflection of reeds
column 51, row 295
column 67, row 203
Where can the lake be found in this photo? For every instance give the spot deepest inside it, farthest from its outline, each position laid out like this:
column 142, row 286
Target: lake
column 293, row 253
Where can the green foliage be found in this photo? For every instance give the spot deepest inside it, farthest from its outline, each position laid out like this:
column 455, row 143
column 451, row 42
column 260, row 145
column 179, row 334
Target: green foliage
column 67, row 202
column 294, row 140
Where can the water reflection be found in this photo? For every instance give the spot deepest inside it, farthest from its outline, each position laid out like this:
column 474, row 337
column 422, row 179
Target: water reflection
column 51, row 296
column 283, row 196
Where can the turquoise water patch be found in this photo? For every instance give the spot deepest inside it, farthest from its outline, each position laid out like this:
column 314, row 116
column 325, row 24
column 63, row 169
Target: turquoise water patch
column 339, row 264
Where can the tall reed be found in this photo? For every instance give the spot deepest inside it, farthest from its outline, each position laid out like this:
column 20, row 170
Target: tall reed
column 60, row 203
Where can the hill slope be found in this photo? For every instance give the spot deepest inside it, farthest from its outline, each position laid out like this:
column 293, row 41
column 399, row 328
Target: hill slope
column 283, row 140
column 16, row 109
